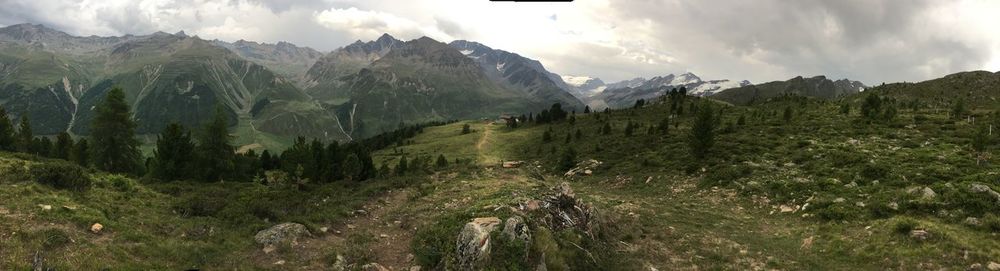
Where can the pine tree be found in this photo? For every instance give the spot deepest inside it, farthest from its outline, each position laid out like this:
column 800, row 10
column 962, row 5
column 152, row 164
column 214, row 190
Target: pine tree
column 872, row 107
column 579, row 134
column 845, row 109
column 42, row 146
column 568, row 159
column 981, row 139
column 81, row 153
column 628, row 128
column 466, row 129
column 665, row 125
column 7, row 142
column 788, row 114
column 25, row 138
column 401, row 167
column 215, row 154
column 63, row 147
column 702, row 135
column 352, row 167
column 173, row 155
column 115, row 148
column 441, row 161
column 606, row 130
column 958, row 111
column 742, row 120
column 586, row 109
column 546, row 136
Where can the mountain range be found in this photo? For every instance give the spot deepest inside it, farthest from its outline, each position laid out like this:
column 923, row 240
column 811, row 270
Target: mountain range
column 275, row 92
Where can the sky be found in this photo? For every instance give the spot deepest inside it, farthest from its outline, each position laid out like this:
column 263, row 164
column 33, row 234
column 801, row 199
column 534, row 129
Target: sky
column 872, row 41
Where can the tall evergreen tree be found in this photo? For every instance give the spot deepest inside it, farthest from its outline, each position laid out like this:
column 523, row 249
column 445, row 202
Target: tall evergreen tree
column 216, row 155
column 25, row 138
column 63, row 147
column 173, row 155
column 7, row 142
column 702, row 135
column 401, row 167
column 441, row 161
column 81, row 153
column 115, row 148
column 352, row 167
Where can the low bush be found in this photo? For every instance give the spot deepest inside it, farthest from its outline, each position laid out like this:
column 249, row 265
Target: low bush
column 904, row 226
column 61, row 175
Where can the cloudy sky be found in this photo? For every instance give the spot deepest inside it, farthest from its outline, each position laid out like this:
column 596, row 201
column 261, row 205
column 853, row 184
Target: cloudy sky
column 762, row 40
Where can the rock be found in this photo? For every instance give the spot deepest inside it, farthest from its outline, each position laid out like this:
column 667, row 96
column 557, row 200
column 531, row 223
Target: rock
column 927, row 194
column 981, row 188
column 45, row 207
column 920, row 234
column 839, row 200
column 409, row 257
column 374, row 267
column 585, row 167
column 279, row 262
column 340, row 264
column 992, row 266
column 976, row 266
column 415, row 268
column 473, row 244
column 515, row 228
column 972, row 221
column 383, row 236
column 860, row 204
column 323, row 229
column 284, row 233
column 851, row 185
column 532, row 205
column 894, row 206
column 786, row 208
column 512, row 164
column 69, row 208
column 269, row 248
column 807, row 243
column 96, row 228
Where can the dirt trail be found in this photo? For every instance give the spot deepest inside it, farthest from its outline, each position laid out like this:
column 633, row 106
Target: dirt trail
column 378, row 233
column 483, row 155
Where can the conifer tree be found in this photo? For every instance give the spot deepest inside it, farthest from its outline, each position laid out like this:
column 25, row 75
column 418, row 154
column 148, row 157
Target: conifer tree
column 63, row 146
column 352, row 167
column 115, row 148
column 25, row 138
column 665, row 125
column 586, row 109
column 568, row 159
column 7, row 142
column 173, row 155
column 788, row 114
column 606, row 129
column 81, row 153
column 401, row 167
column 441, row 161
column 702, row 135
column 216, row 157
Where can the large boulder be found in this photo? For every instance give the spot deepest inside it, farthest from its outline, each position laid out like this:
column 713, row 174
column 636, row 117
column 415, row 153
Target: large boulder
column 473, row 244
column 516, row 229
column 984, row 189
column 285, row 233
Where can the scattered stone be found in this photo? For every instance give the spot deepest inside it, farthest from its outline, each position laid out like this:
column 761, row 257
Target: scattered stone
column 323, row 229
column 383, row 236
column 786, row 209
column 532, row 205
column 374, row 267
column 860, row 204
column 69, row 208
column 927, row 194
column 473, row 244
column 649, row 179
column 894, row 206
column 972, row 221
column 512, row 164
column 415, row 268
column 269, row 248
column 839, row 200
column 920, row 234
column 853, row 184
column 409, row 257
column 340, row 264
column 993, row 266
column 279, row 262
column 807, row 243
column 585, row 167
column 515, row 228
column 96, row 228
column 360, row 212
column 976, row 266
column 351, row 226
column 285, row 233
column 45, row 207
column 981, row 188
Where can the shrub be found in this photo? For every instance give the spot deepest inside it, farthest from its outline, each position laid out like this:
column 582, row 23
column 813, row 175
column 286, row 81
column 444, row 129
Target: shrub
column 904, row 226
column 53, row 238
column 874, row 171
column 991, row 222
column 61, row 175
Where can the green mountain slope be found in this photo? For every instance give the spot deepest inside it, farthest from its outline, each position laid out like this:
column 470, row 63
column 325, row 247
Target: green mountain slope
column 817, row 87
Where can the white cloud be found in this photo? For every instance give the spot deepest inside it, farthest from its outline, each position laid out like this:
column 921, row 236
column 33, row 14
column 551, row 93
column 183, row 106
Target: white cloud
column 763, row 40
